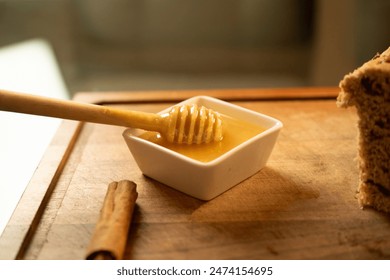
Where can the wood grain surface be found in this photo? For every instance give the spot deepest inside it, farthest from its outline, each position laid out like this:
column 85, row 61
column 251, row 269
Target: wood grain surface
column 300, row 206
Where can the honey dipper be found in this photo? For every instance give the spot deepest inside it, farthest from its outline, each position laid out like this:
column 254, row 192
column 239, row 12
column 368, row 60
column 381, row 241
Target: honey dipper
column 186, row 124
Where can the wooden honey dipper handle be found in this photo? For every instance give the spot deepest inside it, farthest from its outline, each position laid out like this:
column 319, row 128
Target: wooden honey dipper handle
column 65, row 109
column 184, row 124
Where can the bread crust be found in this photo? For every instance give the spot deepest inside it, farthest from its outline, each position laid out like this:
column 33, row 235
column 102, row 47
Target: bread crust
column 368, row 89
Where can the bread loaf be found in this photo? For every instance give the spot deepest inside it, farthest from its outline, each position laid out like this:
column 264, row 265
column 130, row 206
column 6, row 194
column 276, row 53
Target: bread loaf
column 368, row 89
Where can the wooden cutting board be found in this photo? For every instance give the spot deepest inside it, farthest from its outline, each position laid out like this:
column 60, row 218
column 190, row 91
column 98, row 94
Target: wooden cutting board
column 300, row 206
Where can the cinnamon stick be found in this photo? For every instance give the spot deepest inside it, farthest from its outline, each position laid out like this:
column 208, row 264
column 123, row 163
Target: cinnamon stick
column 110, row 236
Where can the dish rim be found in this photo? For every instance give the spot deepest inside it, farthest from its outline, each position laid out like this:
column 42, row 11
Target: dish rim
column 277, row 125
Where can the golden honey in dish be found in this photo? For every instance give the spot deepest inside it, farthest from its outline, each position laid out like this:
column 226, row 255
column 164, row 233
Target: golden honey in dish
column 235, row 132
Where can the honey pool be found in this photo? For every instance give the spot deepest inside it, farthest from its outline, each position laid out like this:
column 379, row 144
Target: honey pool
column 235, row 132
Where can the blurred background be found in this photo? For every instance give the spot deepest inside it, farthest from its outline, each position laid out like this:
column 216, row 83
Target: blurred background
column 180, row 44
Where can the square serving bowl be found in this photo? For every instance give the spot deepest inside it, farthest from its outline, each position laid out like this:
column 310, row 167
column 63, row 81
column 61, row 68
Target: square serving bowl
column 207, row 180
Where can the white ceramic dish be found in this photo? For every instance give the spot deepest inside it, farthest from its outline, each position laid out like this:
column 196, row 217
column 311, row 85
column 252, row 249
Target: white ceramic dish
column 207, row 180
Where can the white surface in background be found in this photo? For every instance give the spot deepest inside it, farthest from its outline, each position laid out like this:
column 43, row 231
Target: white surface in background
column 29, row 67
